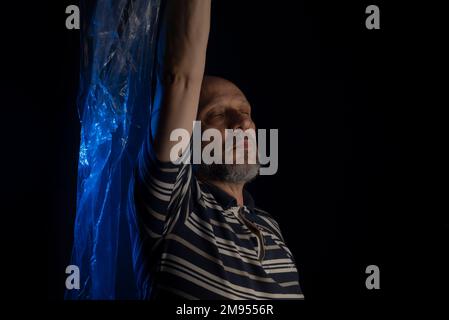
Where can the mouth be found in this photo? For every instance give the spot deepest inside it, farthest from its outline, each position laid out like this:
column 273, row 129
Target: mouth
column 244, row 143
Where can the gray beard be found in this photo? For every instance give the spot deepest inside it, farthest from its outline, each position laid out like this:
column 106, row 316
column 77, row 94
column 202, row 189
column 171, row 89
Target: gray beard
column 233, row 173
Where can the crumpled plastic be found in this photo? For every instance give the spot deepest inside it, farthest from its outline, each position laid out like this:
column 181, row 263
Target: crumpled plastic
column 118, row 42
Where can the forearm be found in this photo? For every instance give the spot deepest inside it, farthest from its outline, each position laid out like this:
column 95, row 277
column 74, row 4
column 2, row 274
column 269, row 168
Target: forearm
column 187, row 24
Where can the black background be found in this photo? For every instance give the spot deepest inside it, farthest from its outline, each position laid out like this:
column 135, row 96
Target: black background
column 348, row 192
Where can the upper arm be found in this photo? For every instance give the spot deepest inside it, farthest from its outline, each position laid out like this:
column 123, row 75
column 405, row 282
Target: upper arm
column 160, row 188
column 178, row 100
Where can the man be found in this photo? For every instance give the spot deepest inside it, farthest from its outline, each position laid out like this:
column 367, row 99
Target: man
column 202, row 236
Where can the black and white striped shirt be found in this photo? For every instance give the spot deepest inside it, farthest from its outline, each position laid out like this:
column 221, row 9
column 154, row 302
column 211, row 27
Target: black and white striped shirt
column 198, row 244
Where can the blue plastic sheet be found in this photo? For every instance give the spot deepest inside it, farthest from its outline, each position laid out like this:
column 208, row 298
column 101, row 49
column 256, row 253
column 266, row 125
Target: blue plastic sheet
column 118, row 41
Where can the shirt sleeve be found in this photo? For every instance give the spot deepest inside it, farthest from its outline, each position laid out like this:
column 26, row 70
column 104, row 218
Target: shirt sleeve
column 160, row 192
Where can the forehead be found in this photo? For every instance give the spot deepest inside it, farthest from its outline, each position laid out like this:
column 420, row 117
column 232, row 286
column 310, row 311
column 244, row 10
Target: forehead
column 217, row 92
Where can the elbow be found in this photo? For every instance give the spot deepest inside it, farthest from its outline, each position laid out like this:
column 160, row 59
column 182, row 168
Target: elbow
column 185, row 80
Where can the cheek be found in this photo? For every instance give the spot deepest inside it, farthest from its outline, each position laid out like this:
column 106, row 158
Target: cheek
column 220, row 135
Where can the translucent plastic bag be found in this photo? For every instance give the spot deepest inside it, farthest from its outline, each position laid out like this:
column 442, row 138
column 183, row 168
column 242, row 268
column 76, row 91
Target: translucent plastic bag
column 118, row 41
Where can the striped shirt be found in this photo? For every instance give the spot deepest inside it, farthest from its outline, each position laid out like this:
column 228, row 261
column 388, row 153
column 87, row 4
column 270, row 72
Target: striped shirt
column 197, row 243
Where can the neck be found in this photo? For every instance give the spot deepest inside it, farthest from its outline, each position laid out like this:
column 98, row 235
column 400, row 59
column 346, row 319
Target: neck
column 233, row 189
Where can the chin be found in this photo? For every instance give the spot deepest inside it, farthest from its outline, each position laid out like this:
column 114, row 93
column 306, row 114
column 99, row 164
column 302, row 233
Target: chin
column 232, row 173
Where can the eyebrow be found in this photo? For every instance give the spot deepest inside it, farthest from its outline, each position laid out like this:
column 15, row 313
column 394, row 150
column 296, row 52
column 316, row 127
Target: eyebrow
column 243, row 101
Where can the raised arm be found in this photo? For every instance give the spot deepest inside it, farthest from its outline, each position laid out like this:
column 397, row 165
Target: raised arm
column 181, row 59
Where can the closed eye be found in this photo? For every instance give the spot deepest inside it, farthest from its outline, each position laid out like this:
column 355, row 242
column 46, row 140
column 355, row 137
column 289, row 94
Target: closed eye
column 216, row 115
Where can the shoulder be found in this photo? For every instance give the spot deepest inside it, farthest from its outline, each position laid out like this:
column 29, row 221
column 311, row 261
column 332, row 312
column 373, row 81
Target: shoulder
column 264, row 213
column 270, row 221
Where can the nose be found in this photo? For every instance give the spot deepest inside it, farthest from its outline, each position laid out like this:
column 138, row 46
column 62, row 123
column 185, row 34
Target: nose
column 240, row 121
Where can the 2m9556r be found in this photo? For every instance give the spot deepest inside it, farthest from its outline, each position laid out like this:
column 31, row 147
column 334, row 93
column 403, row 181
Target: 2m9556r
column 253, row 309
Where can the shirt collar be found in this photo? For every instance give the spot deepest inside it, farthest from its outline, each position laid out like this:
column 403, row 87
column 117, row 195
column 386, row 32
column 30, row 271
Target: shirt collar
column 227, row 201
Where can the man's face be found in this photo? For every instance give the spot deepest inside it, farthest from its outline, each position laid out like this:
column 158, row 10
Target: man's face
column 224, row 106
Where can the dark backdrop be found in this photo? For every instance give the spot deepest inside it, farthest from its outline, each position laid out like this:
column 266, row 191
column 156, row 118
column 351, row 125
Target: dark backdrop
column 314, row 72
column 345, row 190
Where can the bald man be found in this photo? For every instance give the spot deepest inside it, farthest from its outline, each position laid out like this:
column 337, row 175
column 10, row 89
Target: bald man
column 202, row 236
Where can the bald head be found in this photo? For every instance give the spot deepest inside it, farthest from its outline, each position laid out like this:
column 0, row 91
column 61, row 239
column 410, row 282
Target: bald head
column 216, row 89
column 224, row 106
